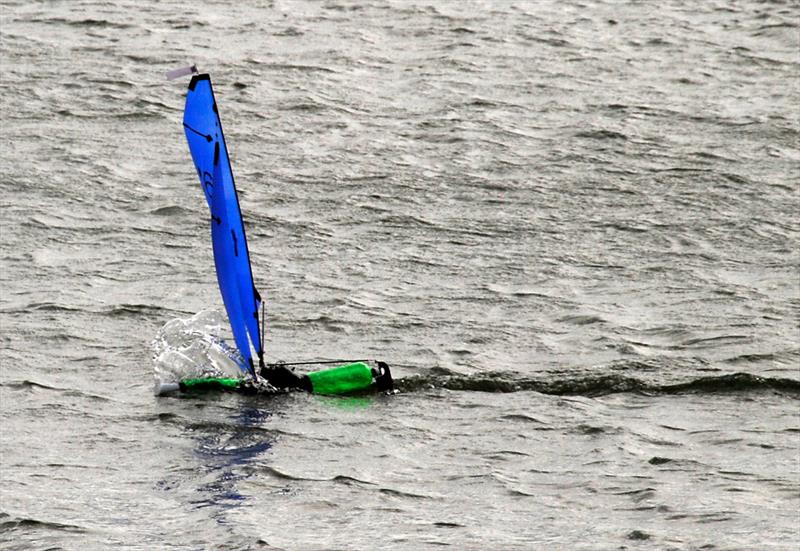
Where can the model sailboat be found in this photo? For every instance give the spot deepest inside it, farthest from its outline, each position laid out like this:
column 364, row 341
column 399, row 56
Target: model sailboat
column 203, row 128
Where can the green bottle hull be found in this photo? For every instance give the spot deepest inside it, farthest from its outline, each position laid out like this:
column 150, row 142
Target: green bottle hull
column 200, row 384
column 211, row 383
column 346, row 379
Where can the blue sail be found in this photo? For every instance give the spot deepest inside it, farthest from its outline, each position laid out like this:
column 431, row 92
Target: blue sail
column 231, row 257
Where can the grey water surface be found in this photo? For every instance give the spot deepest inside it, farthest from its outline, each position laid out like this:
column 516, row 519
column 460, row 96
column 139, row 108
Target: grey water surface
column 570, row 227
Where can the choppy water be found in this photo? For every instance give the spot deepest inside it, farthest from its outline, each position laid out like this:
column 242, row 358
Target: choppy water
column 571, row 228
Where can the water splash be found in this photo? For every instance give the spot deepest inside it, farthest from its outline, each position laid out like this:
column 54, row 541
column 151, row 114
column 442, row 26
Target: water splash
column 192, row 347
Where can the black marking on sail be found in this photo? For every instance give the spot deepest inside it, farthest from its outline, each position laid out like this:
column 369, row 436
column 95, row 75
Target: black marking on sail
column 196, row 79
column 258, row 300
column 235, row 244
column 216, row 219
column 206, row 136
column 208, row 182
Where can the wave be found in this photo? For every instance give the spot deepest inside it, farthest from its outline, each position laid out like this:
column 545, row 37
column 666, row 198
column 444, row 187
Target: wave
column 9, row 524
column 600, row 385
column 602, row 135
column 33, row 385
